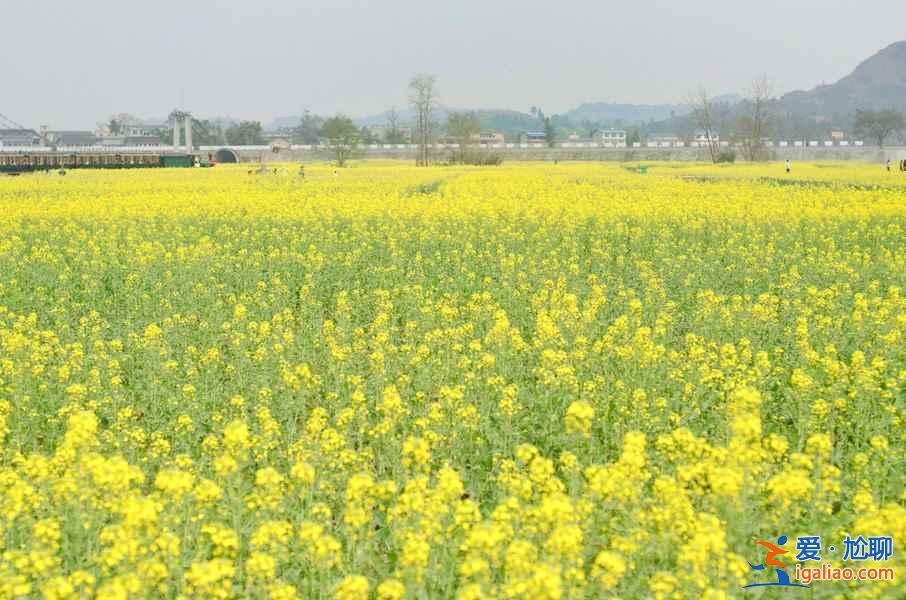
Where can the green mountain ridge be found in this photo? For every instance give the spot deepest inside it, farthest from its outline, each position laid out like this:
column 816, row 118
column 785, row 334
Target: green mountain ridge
column 877, row 82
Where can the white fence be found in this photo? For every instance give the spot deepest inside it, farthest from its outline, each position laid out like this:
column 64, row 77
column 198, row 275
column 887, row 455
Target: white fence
column 381, row 147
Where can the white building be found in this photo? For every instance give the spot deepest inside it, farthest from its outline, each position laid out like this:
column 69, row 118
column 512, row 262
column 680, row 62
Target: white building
column 701, row 138
column 616, row 137
column 663, row 141
column 533, row 137
column 488, row 138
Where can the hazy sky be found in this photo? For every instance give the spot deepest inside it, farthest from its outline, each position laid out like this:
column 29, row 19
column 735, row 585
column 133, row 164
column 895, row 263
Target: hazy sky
column 70, row 64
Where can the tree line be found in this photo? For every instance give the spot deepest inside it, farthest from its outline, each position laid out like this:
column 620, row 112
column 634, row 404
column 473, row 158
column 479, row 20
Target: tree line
column 343, row 137
column 749, row 123
column 759, row 117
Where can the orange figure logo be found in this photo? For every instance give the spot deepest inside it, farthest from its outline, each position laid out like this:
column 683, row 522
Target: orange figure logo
column 783, row 580
column 769, row 560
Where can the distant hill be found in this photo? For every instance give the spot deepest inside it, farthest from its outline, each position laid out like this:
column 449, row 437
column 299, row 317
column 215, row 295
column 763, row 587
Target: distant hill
column 598, row 112
column 513, row 122
column 494, row 118
column 510, row 122
column 405, row 115
column 282, row 123
column 498, row 119
column 878, row 82
column 222, row 121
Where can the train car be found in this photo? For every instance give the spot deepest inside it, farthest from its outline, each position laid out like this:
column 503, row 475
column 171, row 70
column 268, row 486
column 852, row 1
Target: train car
column 14, row 163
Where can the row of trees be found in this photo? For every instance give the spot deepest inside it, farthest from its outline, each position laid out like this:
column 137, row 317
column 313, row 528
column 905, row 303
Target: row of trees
column 462, row 128
column 339, row 133
column 753, row 122
column 750, row 122
column 758, row 115
column 311, row 130
column 343, row 137
column 206, row 132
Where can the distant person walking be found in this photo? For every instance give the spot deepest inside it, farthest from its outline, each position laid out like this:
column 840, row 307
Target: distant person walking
column 888, row 165
column 302, row 171
column 789, row 166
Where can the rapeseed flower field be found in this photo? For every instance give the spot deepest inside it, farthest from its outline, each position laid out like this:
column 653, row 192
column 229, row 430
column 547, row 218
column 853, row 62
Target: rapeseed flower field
column 533, row 381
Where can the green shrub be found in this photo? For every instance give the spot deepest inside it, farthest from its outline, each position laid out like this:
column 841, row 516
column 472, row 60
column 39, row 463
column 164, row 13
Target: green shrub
column 476, row 157
column 726, row 156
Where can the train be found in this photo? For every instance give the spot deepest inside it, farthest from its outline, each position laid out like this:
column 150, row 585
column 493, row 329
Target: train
column 15, row 163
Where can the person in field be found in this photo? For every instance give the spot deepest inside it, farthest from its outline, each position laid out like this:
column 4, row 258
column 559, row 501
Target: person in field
column 789, row 166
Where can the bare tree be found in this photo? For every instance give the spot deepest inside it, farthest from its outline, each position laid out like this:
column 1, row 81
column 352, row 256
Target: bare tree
column 704, row 118
column 423, row 97
column 754, row 124
column 393, row 134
